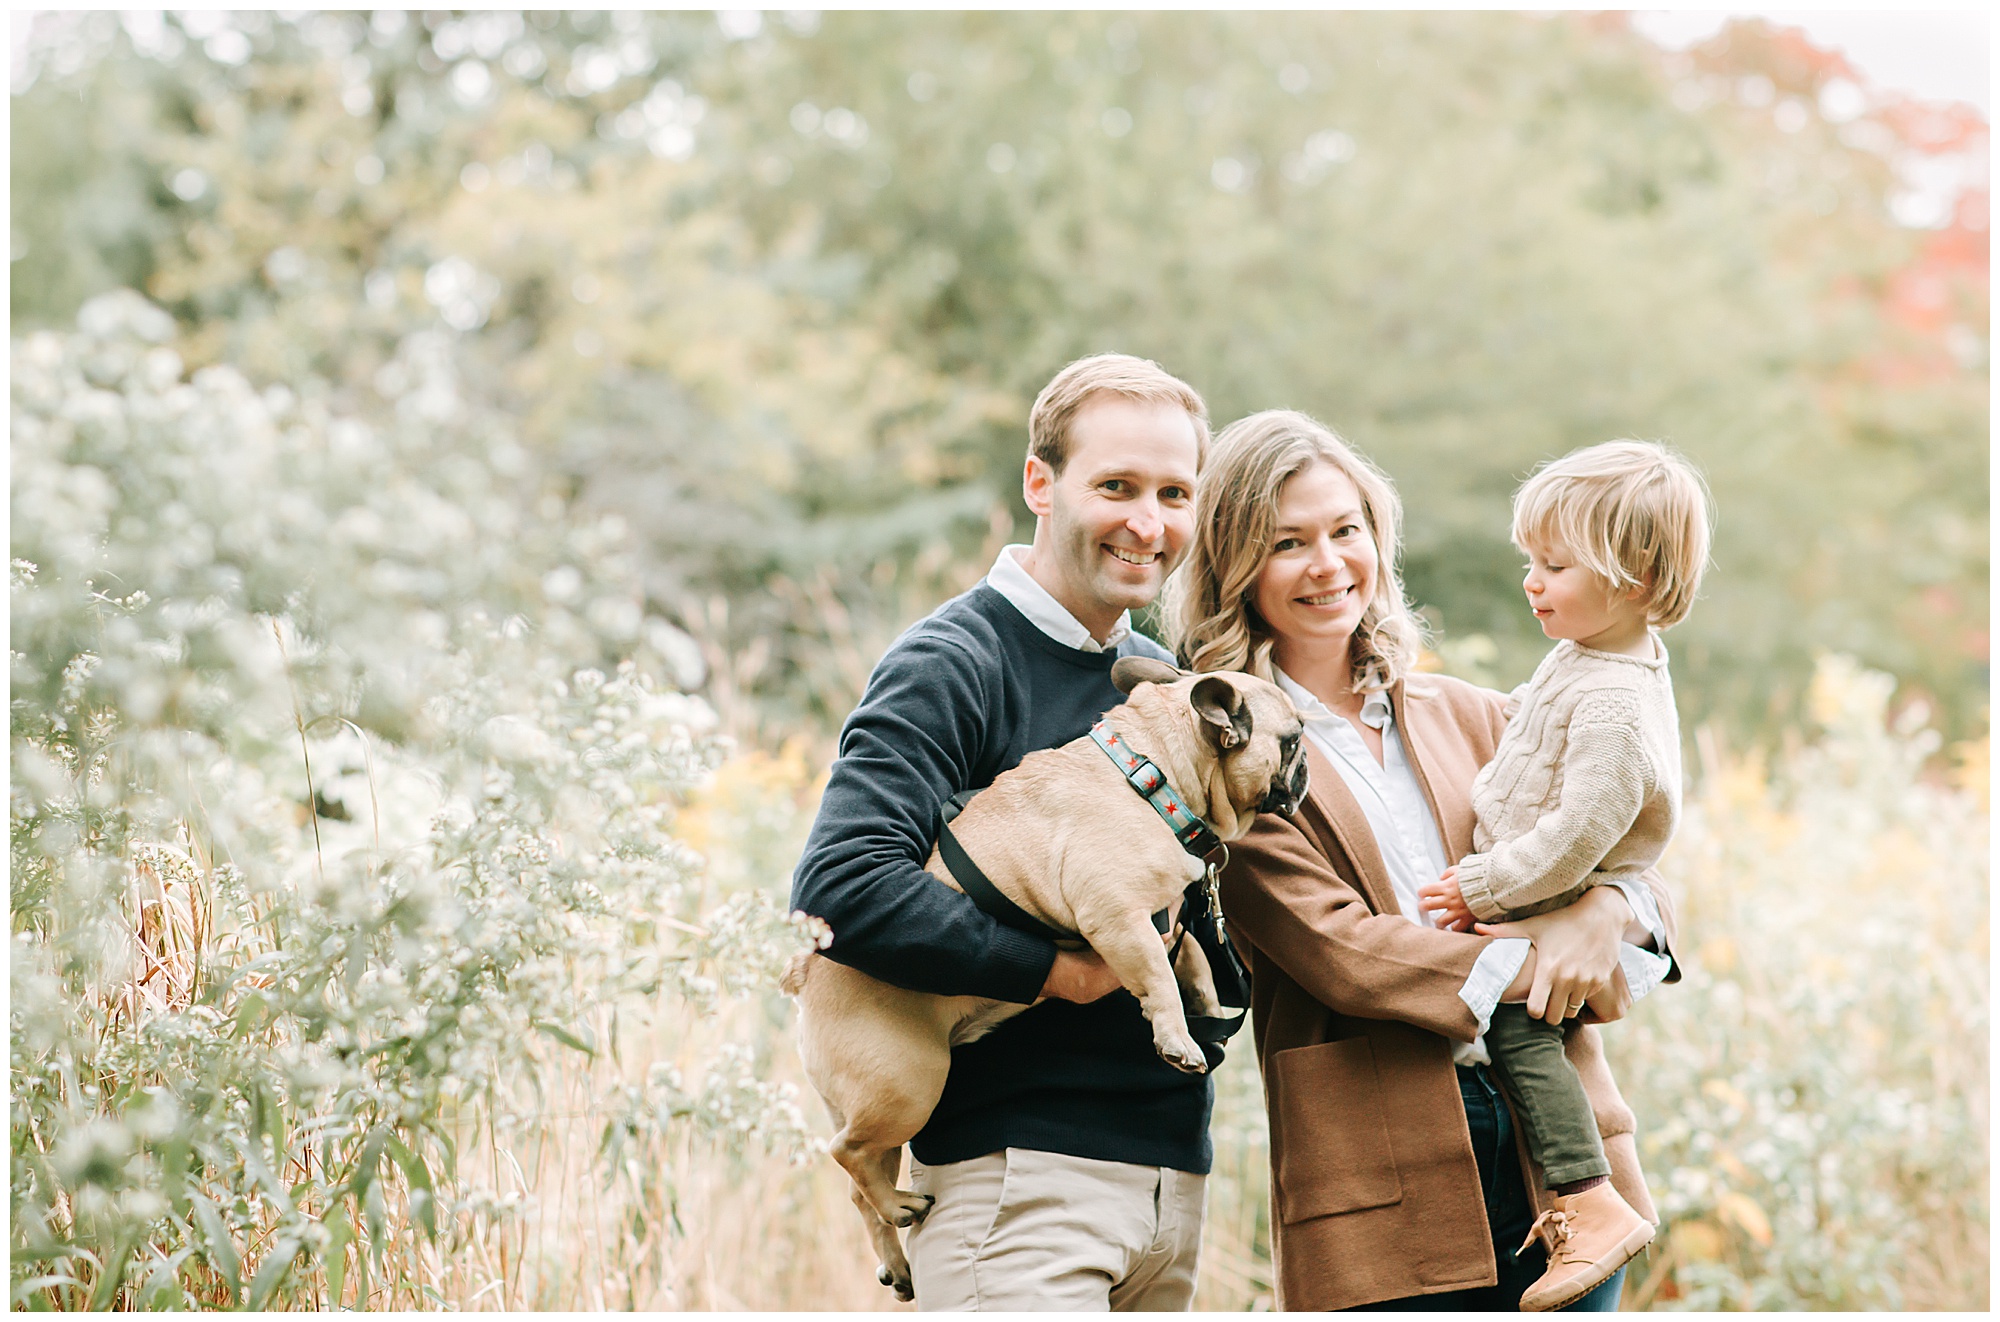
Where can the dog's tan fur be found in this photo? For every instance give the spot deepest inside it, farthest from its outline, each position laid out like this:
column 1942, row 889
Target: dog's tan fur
column 1065, row 837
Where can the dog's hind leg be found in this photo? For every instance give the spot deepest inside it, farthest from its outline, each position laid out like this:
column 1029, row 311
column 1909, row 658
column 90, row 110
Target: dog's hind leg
column 878, row 1056
column 874, row 1164
column 895, row 1269
column 883, row 1073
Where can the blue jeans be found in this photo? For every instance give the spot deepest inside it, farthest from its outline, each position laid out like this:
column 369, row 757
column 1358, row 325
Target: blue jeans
column 1509, row 1213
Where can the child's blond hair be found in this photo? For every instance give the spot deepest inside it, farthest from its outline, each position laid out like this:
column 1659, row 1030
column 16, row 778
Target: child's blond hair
column 1632, row 512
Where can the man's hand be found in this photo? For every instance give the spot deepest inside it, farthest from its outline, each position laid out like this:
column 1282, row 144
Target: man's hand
column 1610, row 1003
column 1443, row 898
column 1575, row 957
column 1081, row 976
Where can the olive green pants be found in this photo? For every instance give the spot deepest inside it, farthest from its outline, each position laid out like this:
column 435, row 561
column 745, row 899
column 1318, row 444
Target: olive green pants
column 1548, row 1098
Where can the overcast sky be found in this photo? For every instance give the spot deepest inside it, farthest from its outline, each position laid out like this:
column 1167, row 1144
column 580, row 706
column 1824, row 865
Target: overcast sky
column 1937, row 55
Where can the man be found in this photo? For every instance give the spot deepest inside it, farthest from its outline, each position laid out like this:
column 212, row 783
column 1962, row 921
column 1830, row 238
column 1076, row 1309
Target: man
column 1067, row 1159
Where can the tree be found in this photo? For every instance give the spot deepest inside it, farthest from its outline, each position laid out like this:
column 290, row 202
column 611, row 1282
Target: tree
column 842, row 253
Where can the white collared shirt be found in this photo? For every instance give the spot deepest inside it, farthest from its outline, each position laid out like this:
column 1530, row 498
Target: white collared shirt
column 1018, row 586
column 1411, row 845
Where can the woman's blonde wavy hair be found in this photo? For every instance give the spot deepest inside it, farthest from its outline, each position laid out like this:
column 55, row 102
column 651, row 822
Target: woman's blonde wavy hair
column 1211, row 619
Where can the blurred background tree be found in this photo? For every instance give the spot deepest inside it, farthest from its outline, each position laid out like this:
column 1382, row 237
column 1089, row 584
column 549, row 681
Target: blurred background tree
column 779, row 289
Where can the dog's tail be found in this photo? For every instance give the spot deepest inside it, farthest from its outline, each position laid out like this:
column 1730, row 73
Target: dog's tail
column 794, row 979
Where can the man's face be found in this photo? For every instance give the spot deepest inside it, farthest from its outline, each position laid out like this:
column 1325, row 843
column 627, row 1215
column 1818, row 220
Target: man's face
column 1119, row 514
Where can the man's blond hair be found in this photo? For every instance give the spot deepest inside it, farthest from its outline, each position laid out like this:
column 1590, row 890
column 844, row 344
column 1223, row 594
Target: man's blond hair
column 1110, row 374
column 1632, row 512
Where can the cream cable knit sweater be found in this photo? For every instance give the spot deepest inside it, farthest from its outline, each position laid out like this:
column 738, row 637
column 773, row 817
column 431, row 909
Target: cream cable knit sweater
column 1587, row 778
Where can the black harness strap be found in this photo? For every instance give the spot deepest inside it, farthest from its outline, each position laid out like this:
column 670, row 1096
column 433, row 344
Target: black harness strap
column 1201, row 917
column 978, row 885
column 979, row 888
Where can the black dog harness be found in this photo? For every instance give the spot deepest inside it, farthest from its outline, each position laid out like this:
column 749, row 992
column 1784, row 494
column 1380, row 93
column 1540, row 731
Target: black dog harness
column 1201, row 905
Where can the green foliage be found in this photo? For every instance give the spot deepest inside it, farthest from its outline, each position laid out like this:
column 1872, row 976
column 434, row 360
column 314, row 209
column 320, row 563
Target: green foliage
column 835, row 258
column 507, row 379
column 342, row 807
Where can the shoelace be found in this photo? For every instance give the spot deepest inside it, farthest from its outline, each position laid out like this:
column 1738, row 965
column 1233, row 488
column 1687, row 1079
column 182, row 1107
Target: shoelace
column 1557, row 1221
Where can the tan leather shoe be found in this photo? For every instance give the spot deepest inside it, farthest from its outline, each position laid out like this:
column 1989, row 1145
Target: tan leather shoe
column 1590, row 1235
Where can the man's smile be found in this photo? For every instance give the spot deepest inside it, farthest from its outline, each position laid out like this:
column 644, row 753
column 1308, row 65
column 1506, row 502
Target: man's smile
column 1134, row 557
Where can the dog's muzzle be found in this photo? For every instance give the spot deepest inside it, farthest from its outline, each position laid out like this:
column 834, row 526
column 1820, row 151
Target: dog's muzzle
column 1288, row 787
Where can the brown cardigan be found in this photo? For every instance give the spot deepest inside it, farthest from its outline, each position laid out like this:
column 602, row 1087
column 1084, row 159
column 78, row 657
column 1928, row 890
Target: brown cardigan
column 1374, row 1191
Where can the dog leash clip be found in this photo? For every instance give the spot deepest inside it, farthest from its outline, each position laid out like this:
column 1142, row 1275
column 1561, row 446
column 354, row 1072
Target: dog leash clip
column 1212, row 884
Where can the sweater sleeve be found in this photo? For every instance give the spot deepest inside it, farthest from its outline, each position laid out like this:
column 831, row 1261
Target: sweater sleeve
column 1287, row 900
column 1603, row 789
column 915, row 740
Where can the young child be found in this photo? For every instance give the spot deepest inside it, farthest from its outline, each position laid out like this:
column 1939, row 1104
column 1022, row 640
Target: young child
column 1586, row 780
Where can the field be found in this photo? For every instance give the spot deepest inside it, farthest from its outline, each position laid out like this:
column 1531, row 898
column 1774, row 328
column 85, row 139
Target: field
column 483, row 1016
column 464, row 466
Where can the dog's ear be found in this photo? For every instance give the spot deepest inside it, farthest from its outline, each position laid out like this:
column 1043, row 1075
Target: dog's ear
column 1223, row 709
column 1129, row 672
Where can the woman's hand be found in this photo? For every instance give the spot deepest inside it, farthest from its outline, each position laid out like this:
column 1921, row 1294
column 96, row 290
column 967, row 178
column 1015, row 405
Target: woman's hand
column 1443, row 898
column 1575, row 961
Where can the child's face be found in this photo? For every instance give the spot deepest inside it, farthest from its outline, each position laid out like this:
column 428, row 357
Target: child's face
column 1572, row 602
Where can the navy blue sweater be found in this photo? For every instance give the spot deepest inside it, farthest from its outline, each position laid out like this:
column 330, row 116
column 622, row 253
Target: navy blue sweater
column 962, row 696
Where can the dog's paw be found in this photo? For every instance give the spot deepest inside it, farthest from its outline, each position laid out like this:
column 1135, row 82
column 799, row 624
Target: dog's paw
column 910, row 1208
column 1183, row 1055
column 905, row 1292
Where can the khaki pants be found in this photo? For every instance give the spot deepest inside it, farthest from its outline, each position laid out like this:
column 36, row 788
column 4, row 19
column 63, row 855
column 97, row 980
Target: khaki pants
column 1027, row 1231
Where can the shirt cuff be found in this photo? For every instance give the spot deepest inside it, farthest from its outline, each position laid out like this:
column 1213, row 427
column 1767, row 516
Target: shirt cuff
column 1496, row 967
column 1017, row 965
column 1645, row 907
column 1476, row 890
column 1643, row 969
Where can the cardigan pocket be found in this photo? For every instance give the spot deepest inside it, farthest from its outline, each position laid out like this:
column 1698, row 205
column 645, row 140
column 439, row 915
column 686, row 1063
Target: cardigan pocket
column 1326, row 1101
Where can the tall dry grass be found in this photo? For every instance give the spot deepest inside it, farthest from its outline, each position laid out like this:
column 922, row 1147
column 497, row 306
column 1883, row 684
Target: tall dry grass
column 1812, row 1096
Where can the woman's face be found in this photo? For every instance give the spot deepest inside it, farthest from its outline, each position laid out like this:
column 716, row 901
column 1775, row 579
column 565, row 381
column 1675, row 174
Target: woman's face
column 1319, row 574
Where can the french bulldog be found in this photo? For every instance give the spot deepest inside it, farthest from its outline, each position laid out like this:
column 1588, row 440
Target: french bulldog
column 1066, row 837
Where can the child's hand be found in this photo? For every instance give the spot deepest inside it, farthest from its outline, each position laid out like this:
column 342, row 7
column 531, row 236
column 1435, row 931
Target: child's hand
column 1443, row 898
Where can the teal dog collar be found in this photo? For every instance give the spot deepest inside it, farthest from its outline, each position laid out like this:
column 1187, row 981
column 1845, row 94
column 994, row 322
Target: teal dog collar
column 1196, row 836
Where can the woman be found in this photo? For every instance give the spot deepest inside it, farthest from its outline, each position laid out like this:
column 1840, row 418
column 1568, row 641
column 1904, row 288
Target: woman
column 1396, row 1180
